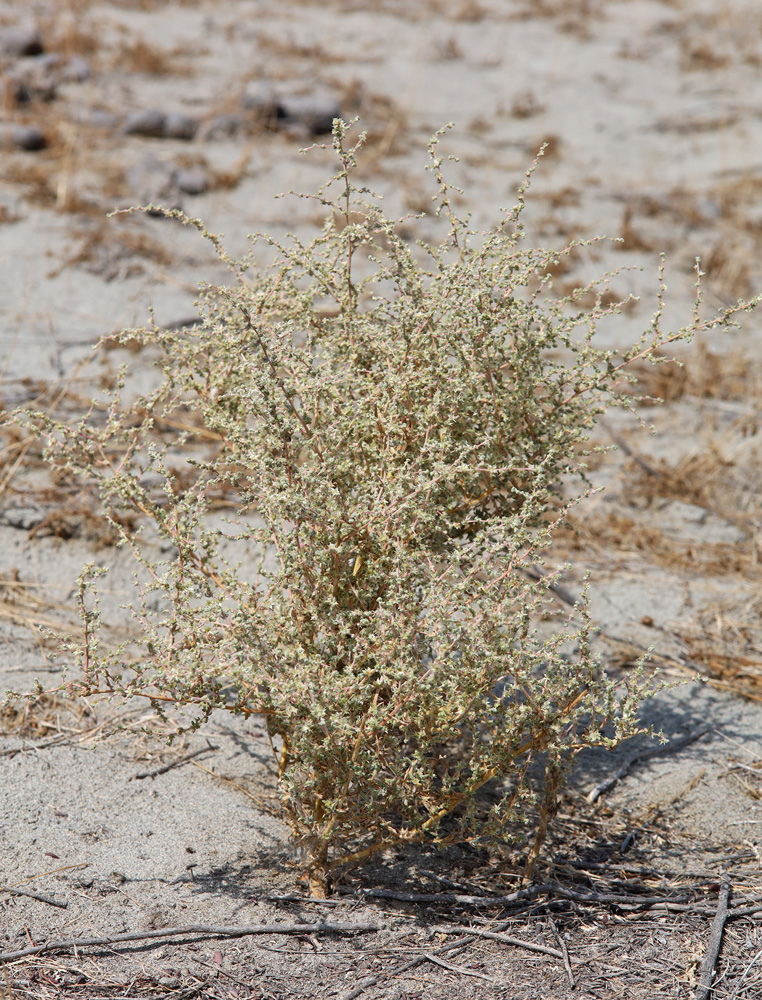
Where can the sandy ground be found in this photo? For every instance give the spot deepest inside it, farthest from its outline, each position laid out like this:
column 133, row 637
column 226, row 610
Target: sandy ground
column 650, row 112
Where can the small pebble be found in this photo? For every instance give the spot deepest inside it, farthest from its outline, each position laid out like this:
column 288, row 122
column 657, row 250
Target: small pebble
column 76, row 70
column 44, row 62
column 148, row 122
column 154, row 182
column 259, row 97
column 178, row 125
column 27, row 137
column 96, row 117
column 24, row 518
column 16, row 91
column 222, row 127
column 21, row 40
column 34, row 78
column 314, row 114
column 192, row 180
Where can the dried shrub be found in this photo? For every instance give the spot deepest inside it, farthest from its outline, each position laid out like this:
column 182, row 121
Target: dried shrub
column 402, row 428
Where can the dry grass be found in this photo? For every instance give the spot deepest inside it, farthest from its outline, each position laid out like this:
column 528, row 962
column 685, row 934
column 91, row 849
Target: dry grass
column 115, row 251
column 43, row 715
column 704, row 374
column 288, row 48
column 469, row 11
column 526, row 105
column 141, row 56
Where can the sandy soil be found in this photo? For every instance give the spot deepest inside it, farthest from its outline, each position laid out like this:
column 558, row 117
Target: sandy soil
column 651, row 115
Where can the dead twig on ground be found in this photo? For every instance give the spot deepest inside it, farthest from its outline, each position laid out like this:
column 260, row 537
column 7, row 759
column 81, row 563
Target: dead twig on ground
column 35, row 895
column 537, row 574
column 366, row 984
column 277, row 897
column 218, row 970
column 205, row 930
column 271, row 808
column 455, row 968
column 623, row 446
column 175, row 763
column 670, row 747
column 550, row 889
column 715, row 940
column 564, row 953
column 502, row 938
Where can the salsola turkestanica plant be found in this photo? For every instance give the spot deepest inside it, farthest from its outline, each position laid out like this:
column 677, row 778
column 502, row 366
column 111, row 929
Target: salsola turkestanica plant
column 399, row 427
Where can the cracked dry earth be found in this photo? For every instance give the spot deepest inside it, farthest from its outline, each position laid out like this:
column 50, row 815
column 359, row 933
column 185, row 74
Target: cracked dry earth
column 650, row 114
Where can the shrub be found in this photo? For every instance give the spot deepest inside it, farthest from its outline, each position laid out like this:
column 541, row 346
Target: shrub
column 400, row 429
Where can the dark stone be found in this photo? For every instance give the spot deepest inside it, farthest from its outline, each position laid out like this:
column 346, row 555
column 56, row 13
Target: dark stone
column 76, row 70
column 27, row 137
column 192, row 180
column 148, row 122
column 154, row 182
column 24, row 518
column 96, row 117
column 259, row 99
column 33, row 79
column 17, row 91
column 40, row 77
column 259, row 96
column 44, row 63
column 21, row 40
column 222, row 127
column 178, row 125
column 314, row 115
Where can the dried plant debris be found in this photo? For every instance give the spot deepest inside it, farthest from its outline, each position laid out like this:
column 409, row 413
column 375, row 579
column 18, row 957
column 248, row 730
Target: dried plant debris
column 45, row 715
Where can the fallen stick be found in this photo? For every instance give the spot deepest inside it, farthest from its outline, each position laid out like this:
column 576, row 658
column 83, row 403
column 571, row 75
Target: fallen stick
column 455, row 968
column 744, row 911
column 174, row 763
column 35, row 895
column 503, row 938
column 365, row 984
column 620, row 442
column 531, row 893
column 204, row 929
column 39, row 745
column 565, row 953
column 456, row 897
column 715, row 940
column 538, row 575
column 609, row 783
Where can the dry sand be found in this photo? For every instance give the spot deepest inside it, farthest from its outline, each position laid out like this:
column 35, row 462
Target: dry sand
column 651, row 115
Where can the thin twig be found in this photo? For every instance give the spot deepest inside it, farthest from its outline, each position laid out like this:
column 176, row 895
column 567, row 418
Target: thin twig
column 455, row 897
column 715, row 940
column 455, row 968
column 276, row 897
column 564, row 953
column 521, row 895
column 35, row 895
column 174, row 763
column 207, row 930
column 53, row 871
column 620, row 442
column 502, row 938
column 748, row 969
column 673, row 745
column 446, row 881
column 220, row 971
column 365, row 984
column 536, row 574
column 39, row 745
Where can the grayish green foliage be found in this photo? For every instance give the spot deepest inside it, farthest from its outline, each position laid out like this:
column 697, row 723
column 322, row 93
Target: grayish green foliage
column 396, row 444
